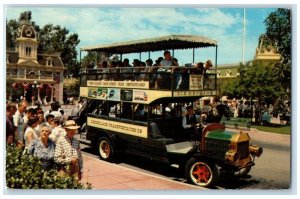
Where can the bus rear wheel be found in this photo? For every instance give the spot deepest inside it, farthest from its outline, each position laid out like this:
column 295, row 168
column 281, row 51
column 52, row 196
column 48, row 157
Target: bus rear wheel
column 106, row 150
column 202, row 173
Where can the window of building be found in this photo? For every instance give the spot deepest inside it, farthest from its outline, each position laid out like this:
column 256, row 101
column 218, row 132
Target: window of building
column 28, row 51
column 49, row 61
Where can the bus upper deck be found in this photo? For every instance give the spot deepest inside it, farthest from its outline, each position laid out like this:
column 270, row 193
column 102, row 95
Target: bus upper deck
column 153, row 82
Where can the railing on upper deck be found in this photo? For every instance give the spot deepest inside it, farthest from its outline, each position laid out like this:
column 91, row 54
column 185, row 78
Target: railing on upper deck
column 158, row 78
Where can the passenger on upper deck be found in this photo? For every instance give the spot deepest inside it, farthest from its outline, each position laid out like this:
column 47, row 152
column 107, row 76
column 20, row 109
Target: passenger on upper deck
column 168, row 60
column 157, row 62
column 113, row 70
column 206, row 81
column 105, row 70
column 126, row 72
column 136, row 70
column 208, row 64
column 149, row 62
column 126, row 63
column 198, row 68
column 143, row 72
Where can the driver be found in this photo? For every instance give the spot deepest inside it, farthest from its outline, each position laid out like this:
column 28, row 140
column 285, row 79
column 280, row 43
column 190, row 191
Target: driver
column 190, row 121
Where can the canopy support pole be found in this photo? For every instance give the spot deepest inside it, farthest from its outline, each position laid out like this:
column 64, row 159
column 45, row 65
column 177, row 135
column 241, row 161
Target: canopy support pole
column 193, row 55
column 80, row 59
column 216, row 59
column 140, row 56
column 149, row 55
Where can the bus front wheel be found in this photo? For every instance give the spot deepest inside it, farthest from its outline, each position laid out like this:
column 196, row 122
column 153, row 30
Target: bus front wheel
column 106, row 150
column 201, row 172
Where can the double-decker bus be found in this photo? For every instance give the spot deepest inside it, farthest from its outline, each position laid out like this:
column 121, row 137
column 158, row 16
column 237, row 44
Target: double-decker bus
column 127, row 111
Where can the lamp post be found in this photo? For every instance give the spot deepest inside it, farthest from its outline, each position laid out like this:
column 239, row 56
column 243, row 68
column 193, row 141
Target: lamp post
column 34, row 87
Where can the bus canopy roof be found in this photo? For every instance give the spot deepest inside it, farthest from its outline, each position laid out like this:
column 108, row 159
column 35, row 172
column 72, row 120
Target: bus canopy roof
column 154, row 44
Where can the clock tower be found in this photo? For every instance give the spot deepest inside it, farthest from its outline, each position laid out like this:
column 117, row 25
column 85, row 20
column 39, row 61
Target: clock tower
column 26, row 43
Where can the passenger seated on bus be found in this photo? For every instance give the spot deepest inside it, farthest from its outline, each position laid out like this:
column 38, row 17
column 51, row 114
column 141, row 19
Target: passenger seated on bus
column 189, row 123
column 105, row 71
column 149, row 63
column 126, row 71
column 143, row 72
column 206, row 80
column 157, row 110
column 139, row 112
column 207, row 66
column 197, row 69
column 136, row 70
column 113, row 70
column 168, row 60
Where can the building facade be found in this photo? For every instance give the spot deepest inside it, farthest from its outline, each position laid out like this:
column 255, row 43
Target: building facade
column 31, row 75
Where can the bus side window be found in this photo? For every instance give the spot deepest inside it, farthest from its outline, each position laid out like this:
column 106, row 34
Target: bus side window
column 126, row 110
column 139, row 112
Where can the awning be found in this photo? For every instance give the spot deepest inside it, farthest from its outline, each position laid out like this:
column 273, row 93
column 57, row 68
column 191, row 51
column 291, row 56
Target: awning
column 154, row 44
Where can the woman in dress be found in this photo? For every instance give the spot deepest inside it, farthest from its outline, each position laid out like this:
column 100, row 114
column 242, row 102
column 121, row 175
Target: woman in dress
column 30, row 133
column 43, row 148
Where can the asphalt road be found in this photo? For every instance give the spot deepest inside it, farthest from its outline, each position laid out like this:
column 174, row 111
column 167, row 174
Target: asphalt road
column 272, row 170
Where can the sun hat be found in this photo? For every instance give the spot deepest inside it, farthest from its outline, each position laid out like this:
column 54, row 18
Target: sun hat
column 70, row 124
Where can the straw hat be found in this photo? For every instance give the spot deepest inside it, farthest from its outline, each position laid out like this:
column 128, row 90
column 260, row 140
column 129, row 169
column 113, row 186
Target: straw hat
column 70, row 124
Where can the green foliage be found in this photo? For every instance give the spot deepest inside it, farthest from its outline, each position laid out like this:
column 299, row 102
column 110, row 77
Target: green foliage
column 259, row 81
column 23, row 171
column 230, row 88
column 278, row 25
column 72, row 89
column 89, row 60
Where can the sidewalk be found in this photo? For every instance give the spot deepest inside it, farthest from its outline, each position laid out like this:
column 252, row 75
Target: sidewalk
column 108, row 176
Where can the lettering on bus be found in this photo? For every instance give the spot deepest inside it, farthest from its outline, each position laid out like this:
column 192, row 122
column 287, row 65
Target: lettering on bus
column 119, row 84
column 193, row 93
column 130, row 129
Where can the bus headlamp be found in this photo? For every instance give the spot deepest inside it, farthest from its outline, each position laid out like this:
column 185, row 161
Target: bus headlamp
column 232, row 156
column 255, row 150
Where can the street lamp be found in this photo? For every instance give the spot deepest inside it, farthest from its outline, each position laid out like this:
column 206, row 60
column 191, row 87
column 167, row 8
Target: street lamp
column 34, row 87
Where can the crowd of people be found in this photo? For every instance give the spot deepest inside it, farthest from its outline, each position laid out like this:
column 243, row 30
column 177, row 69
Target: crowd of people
column 154, row 72
column 48, row 136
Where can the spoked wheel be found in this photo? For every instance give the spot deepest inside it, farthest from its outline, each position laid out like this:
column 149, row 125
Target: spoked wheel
column 106, row 150
column 201, row 173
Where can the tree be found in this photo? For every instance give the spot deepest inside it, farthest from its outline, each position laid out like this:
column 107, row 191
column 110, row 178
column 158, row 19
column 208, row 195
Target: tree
column 278, row 26
column 51, row 39
column 229, row 88
column 89, row 60
column 259, row 81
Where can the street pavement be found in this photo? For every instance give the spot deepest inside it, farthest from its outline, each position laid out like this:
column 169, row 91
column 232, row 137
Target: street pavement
column 107, row 176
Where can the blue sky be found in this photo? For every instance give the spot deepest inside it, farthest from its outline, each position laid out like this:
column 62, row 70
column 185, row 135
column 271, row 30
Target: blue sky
column 102, row 25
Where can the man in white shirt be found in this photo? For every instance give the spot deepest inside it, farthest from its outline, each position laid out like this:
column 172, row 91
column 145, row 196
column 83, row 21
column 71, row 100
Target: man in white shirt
column 168, row 60
column 19, row 121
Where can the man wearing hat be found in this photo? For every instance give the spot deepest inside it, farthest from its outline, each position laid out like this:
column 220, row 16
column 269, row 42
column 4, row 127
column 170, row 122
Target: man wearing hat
column 189, row 122
column 67, row 151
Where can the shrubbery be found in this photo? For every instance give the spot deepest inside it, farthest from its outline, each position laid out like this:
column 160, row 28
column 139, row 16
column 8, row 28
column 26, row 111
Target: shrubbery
column 23, row 171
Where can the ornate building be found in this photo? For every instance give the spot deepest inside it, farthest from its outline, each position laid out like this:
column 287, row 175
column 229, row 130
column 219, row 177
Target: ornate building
column 32, row 74
column 266, row 51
